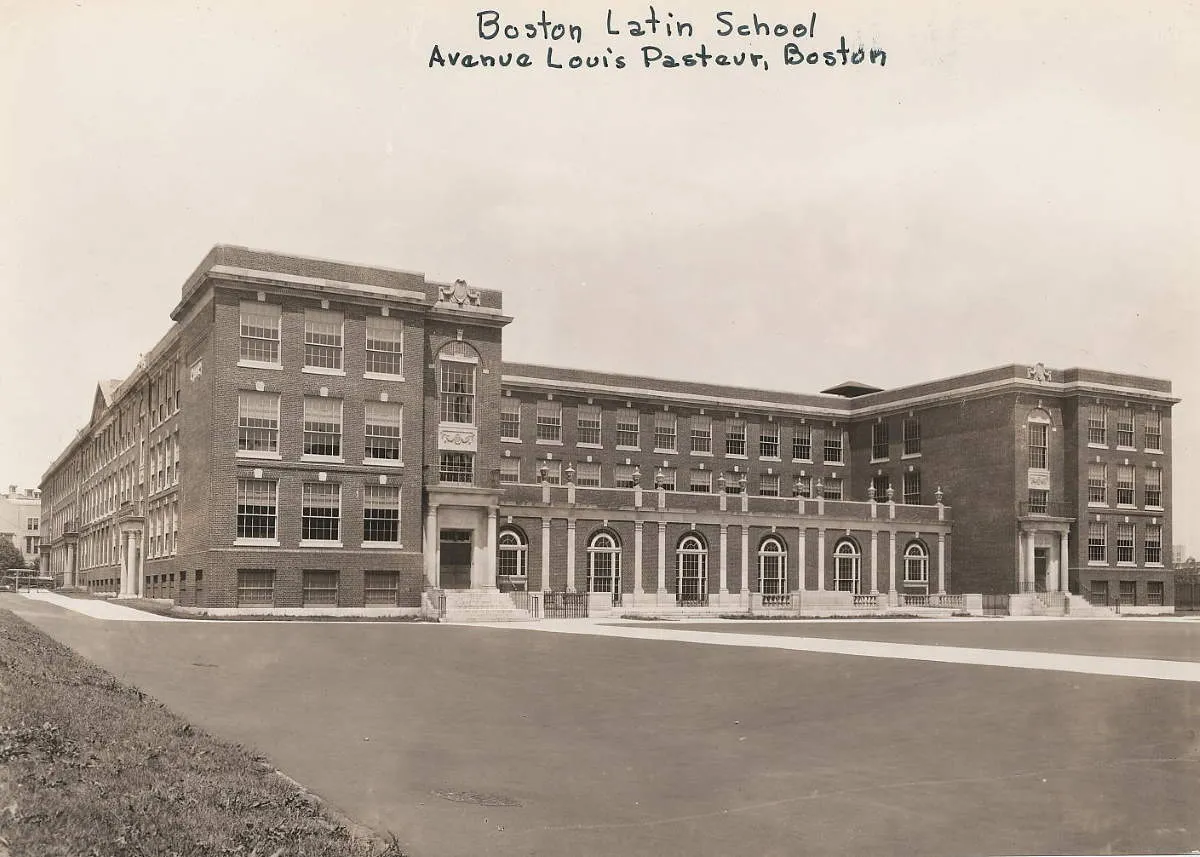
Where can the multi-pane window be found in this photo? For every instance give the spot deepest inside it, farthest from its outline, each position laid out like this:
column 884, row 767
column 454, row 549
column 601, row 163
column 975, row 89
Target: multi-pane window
column 735, row 437
column 768, row 440
column 552, row 471
column 255, row 586
column 588, row 425
column 664, row 432
column 1124, row 542
column 916, row 564
column 1125, row 479
column 804, row 486
column 1152, row 487
column 511, row 555
column 701, row 433
column 772, row 567
column 381, row 513
column 735, row 483
column 320, row 511
column 1097, row 424
column 802, row 443
column 833, row 446
column 510, row 470
column 382, row 424
column 1154, row 430
column 457, row 389
column 1097, row 483
column 587, row 474
column 700, row 481
column 627, row 428
column 319, row 588
column 1039, row 501
column 458, row 467
column 549, row 421
column 623, row 476
column 1152, row 544
column 879, row 441
column 665, row 478
column 257, row 508
column 912, row 436
column 380, row 587
column 1154, row 592
column 1128, row 591
column 510, row 419
column 1038, row 434
column 912, row 488
column 768, row 485
column 322, row 426
column 880, row 484
column 322, row 339
column 258, row 327
column 833, row 488
column 1125, row 428
column 385, row 346
column 1097, row 541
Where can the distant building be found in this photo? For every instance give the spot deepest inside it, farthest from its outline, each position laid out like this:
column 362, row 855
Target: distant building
column 1180, row 553
column 313, row 433
column 20, row 520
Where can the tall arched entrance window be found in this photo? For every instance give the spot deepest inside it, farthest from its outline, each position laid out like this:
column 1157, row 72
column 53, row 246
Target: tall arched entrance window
column 604, row 565
column 772, row 567
column 847, row 568
column 691, row 570
column 916, row 567
column 512, row 570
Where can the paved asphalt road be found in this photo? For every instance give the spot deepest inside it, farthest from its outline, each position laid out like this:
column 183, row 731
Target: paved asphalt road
column 634, row 747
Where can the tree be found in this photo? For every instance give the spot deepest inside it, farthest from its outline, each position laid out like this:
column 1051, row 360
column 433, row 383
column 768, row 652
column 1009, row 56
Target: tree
column 35, row 564
column 10, row 557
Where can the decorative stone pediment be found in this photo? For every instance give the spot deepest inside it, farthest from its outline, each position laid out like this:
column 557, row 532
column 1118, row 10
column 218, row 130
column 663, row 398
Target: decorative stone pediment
column 1039, row 372
column 456, row 438
column 460, row 294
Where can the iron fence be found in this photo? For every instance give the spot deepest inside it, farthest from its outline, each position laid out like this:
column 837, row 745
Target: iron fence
column 565, row 605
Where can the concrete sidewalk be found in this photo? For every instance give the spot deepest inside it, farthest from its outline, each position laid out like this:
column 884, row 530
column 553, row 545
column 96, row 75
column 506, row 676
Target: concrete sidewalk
column 97, row 608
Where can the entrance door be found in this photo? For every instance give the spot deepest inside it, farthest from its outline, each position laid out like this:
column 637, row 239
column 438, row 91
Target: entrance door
column 1041, row 563
column 455, row 571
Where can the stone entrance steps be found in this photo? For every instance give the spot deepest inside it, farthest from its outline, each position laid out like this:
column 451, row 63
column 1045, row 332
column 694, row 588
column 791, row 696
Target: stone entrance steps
column 481, row 605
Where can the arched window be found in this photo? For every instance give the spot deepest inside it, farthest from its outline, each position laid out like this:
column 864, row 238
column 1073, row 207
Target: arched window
column 772, row 567
column 511, row 560
column 847, row 566
column 916, row 565
column 691, row 570
column 604, row 564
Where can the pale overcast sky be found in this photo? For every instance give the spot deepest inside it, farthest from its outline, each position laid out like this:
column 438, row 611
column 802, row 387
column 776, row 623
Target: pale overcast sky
column 1018, row 184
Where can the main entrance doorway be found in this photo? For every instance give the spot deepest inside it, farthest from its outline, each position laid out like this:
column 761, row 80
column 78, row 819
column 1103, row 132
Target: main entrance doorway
column 455, row 553
column 1041, row 566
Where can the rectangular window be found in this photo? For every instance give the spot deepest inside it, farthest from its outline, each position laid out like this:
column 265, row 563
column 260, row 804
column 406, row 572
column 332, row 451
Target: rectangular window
column 1154, row 593
column 510, row 419
column 456, row 467
column 382, row 431
column 381, row 513
column 322, row 427
column 804, row 486
column 881, row 485
column 1125, row 428
column 457, row 388
column 257, row 508
column 1097, row 541
column 1152, row 488
column 912, row 436
column 380, row 588
column 1097, row 425
column 259, row 332
column 802, row 443
column 320, row 511
column 1152, row 544
column 1154, row 430
column 385, row 346
column 664, row 432
column 768, row 441
column 1124, row 543
column 701, row 433
column 623, row 476
column 323, row 339
column 255, row 586
column 1098, row 484
column 588, row 425
column 833, row 446
column 1125, row 476
column 912, row 488
column 510, row 470
column 1039, row 501
column 1128, row 590
column 1038, row 434
column 627, row 429
column 735, row 437
column 665, row 477
column 879, row 441
column 587, row 474
column 700, row 481
column 768, row 485
column 320, row 588
column 549, row 421
column 833, row 488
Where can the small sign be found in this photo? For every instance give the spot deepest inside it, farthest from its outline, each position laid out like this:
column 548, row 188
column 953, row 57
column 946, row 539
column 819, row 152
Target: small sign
column 1039, row 479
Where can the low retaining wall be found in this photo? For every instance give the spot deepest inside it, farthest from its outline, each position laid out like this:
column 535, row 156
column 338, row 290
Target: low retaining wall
column 306, row 612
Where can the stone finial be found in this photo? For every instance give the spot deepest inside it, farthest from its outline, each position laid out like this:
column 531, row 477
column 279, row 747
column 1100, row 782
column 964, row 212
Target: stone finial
column 891, row 494
column 742, row 482
column 659, row 478
column 937, row 495
column 721, row 482
column 637, row 476
column 820, row 487
column 570, row 473
column 871, row 492
column 544, row 472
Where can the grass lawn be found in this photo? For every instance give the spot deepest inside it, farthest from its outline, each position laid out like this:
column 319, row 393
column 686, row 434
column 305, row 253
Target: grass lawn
column 92, row 766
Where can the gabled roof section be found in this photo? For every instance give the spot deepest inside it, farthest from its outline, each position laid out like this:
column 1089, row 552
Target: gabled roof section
column 851, row 389
column 102, row 401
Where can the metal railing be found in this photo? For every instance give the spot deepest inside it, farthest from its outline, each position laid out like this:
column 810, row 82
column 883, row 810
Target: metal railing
column 1055, row 509
column 565, row 605
column 692, row 599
